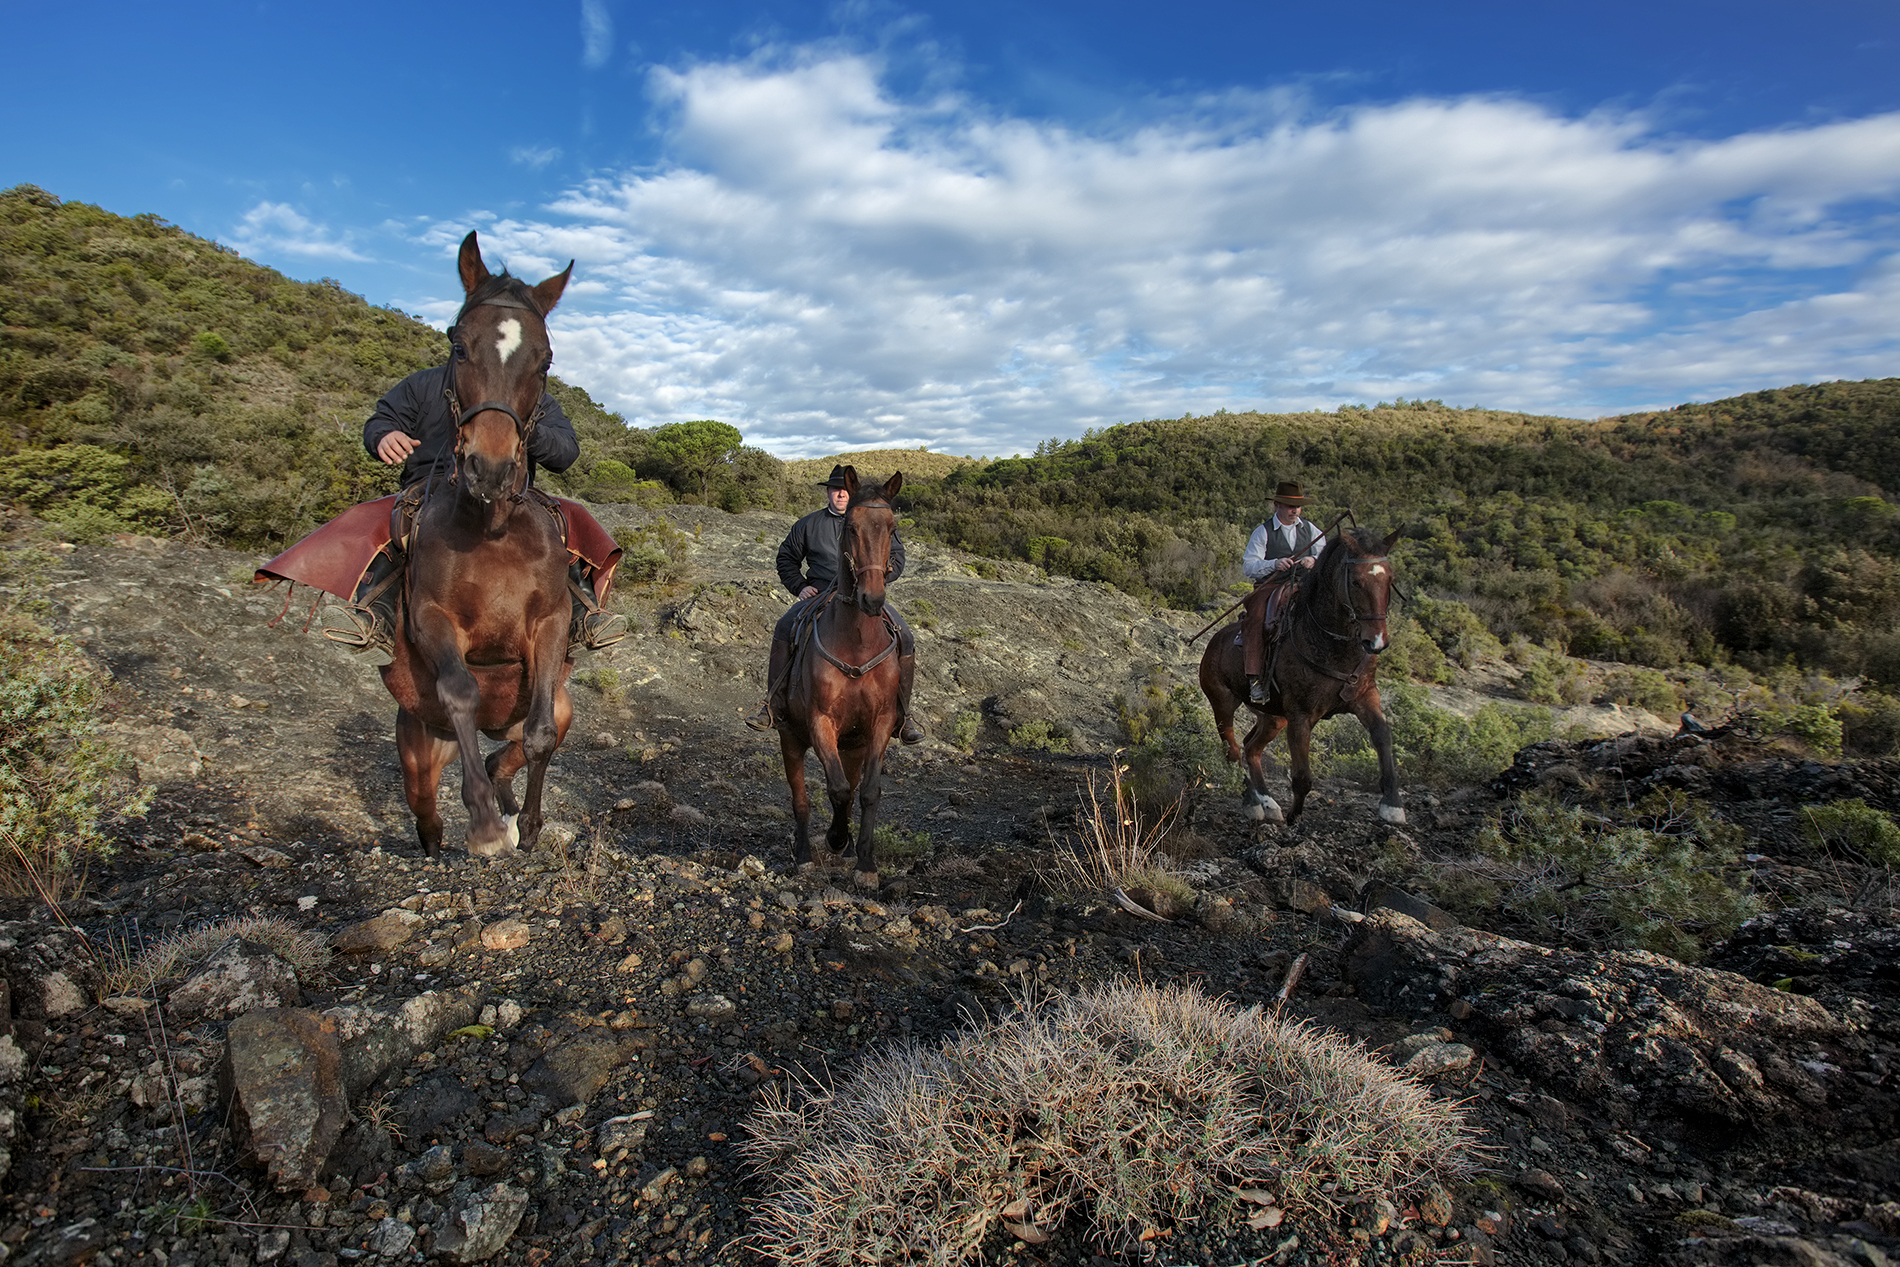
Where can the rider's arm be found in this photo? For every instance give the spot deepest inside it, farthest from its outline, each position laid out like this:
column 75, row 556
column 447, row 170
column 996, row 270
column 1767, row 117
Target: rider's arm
column 400, row 409
column 1254, row 564
column 553, row 447
column 791, row 559
column 897, row 558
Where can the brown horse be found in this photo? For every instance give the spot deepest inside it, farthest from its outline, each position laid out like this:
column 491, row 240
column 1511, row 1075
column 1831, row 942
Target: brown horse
column 482, row 636
column 1323, row 660
column 843, row 689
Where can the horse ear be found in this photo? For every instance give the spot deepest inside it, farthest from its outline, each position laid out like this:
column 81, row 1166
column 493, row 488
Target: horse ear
column 891, row 485
column 851, row 480
column 469, row 263
column 548, row 293
column 1391, row 541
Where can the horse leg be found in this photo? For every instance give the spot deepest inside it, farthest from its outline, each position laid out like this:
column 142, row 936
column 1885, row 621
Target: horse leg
column 1220, row 694
column 423, row 756
column 1260, row 807
column 1299, row 743
column 436, row 640
column 1371, row 715
column 838, row 783
column 503, row 764
column 550, row 710
column 869, row 778
column 794, row 751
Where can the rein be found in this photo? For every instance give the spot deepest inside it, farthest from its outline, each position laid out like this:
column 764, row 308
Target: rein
column 1350, row 682
column 851, row 569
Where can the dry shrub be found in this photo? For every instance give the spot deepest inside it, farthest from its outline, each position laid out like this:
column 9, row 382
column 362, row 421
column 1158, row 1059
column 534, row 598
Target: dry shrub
column 1134, row 1105
column 130, row 971
column 1117, row 847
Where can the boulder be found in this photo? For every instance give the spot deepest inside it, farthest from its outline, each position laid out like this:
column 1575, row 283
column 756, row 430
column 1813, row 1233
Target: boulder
column 377, row 934
column 239, row 977
column 576, row 1070
column 1623, row 1029
column 374, row 1040
column 478, row 1227
column 282, row 1081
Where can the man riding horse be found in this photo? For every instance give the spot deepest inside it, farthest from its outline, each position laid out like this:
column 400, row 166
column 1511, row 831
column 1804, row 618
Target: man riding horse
column 808, row 566
column 1279, row 550
column 415, row 424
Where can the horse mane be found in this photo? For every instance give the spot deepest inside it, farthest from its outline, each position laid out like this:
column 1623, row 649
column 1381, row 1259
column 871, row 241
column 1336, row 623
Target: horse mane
column 502, row 283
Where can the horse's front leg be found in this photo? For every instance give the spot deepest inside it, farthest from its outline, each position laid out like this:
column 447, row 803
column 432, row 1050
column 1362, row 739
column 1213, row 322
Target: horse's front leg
column 793, row 750
column 869, row 779
column 1371, row 714
column 423, row 756
column 1299, row 742
column 435, row 638
column 550, row 710
column 838, row 782
column 1259, row 805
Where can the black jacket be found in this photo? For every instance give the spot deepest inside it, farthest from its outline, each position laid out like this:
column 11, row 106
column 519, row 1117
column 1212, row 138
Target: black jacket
column 417, row 407
column 810, row 553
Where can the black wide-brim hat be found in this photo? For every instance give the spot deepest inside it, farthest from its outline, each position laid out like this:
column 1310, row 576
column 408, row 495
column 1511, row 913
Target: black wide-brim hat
column 835, row 479
column 1289, row 493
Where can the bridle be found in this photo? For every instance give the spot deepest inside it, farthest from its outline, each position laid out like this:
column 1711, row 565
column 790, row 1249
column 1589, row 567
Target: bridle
column 851, row 569
column 844, row 555
column 524, row 431
column 1349, row 566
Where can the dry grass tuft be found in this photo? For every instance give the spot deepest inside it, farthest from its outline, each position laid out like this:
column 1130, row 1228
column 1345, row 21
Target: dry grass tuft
column 1136, row 1106
column 129, row 971
column 1116, row 847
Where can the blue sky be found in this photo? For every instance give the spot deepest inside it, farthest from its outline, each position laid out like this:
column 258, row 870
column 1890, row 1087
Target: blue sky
column 980, row 225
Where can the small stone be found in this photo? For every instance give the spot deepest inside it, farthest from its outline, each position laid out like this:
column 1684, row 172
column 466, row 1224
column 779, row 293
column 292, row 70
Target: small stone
column 504, row 1128
column 714, row 1008
column 380, row 933
column 391, row 1238
column 1435, row 1206
column 505, row 934
column 482, row 1160
column 698, row 1168
column 1438, row 1058
column 841, row 1009
column 631, row 962
column 655, row 1190
column 779, row 945
column 479, row 1228
column 271, row 1245
column 1543, row 1185
column 617, row 1133
column 265, row 856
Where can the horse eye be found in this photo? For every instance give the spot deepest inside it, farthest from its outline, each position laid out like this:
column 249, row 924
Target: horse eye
column 461, row 353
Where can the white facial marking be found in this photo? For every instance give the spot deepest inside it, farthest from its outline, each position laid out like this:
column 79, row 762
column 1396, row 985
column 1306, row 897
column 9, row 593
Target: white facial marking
column 1377, row 569
column 510, row 339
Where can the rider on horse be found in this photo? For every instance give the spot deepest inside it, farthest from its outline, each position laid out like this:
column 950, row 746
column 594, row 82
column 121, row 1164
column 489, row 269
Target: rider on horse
column 414, row 424
column 1279, row 550
column 808, row 567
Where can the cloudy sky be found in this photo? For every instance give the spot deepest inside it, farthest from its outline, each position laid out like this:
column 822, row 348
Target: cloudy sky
column 978, row 225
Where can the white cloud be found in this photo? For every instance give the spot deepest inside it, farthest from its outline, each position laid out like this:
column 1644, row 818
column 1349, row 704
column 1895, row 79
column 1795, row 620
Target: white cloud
column 276, row 229
column 536, row 156
column 828, row 265
column 597, row 33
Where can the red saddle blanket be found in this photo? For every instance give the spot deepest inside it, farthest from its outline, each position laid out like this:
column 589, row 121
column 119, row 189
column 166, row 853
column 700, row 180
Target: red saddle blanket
column 335, row 556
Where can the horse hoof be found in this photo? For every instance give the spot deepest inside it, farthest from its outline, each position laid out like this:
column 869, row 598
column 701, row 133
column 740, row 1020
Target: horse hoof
column 866, row 879
column 806, row 868
column 1256, row 813
column 514, row 829
column 1392, row 814
column 489, row 848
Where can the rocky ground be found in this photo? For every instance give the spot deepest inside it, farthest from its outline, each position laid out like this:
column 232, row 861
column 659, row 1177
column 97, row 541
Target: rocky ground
column 549, row 1058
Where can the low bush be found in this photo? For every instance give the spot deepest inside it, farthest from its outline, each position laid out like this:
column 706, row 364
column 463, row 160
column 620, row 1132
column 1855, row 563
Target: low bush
column 1646, row 689
column 1133, row 1106
column 963, row 732
column 1041, row 736
column 1432, row 745
column 895, row 844
column 1174, row 753
column 1119, row 848
column 1870, row 725
column 655, row 553
column 1655, row 878
column 1855, row 828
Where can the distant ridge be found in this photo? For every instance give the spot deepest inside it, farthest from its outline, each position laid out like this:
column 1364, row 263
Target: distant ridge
column 914, row 463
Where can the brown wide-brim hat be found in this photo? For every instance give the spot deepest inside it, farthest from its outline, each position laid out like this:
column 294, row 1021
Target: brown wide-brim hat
column 1289, row 493
column 835, row 479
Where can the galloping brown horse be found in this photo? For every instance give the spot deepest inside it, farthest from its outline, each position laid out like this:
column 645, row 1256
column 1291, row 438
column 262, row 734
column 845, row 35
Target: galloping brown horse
column 1323, row 661
column 482, row 637
column 843, row 690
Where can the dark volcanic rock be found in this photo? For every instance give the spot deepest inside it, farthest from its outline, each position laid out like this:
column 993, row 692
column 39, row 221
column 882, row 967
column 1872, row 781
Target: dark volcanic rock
column 282, row 1078
column 1622, row 1028
column 575, row 1071
column 482, row 1225
column 239, row 977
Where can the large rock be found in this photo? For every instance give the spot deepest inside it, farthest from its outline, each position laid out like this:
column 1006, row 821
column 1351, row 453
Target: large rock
column 239, row 977
column 282, row 1079
column 377, row 934
column 1622, row 1029
column 46, row 978
column 479, row 1227
column 576, row 1070
column 374, row 1040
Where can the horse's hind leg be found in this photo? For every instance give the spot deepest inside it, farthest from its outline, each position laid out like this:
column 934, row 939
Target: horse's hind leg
column 1260, row 807
column 1220, row 696
column 550, row 711
column 1299, row 744
column 423, row 757
column 1371, row 715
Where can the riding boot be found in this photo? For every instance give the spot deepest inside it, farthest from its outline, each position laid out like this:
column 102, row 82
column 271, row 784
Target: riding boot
column 1257, row 688
column 908, row 731
column 775, row 679
column 368, row 621
column 591, row 626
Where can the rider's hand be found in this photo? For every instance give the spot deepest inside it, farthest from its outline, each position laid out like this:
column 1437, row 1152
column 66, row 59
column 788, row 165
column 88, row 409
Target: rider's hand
column 395, row 447
column 1308, row 561
column 808, row 591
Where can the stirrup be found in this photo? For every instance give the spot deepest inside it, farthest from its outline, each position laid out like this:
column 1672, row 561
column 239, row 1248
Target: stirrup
column 357, row 628
column 1257, row 692
column 597, row 630
column 762, row 720
column 910, row 732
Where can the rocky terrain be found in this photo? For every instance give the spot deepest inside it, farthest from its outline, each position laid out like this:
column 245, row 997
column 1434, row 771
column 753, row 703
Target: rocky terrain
column 548, row 1059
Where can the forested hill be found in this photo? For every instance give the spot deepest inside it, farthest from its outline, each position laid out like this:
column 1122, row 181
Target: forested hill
column 150, row 379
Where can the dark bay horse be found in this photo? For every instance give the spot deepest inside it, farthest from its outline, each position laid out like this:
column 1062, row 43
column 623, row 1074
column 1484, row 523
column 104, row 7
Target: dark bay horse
column 481, row 643
column 843, row 690
column 1322, row 661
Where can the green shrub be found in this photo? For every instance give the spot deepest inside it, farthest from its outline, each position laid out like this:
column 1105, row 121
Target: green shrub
column 1549, row 678
column 59, row 779
column 1432, row 745
column 1853, row 827
column 1173, row 750
column 967, row 727
column 655, row 553
column 1815, row 725
column 1042, row 736
column 1870, row 725
column 1413, row 654
column 1456, row 630
column 1641, row 688
column 894, row 844
column 1654, row 878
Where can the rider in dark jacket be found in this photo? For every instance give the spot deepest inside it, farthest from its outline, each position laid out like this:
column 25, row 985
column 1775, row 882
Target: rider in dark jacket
column 808, row 566
column 414, row 424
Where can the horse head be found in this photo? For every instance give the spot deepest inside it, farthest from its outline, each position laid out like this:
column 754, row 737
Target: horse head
column 1357, row 569
column 500, row 357
column 865, row 549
